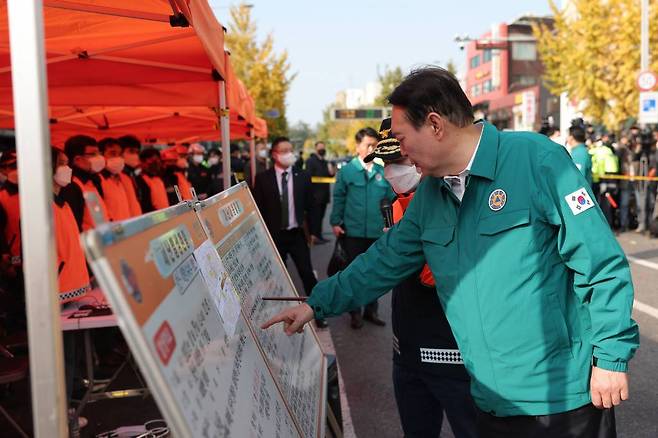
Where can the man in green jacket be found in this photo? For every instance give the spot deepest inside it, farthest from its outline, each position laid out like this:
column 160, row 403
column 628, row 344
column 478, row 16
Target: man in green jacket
column 536, row 289
column 358, row 192
column 578, row 150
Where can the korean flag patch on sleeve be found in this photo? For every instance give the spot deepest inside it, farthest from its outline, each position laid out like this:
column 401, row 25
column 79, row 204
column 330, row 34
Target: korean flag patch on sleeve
column 579, row 201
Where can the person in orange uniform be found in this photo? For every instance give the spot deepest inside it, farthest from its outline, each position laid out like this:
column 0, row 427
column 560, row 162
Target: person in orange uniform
column 175, row 163
column 120, row 197
column 10, row 245
column 12, row 302
column 86, row 162
column 153, row 195
column 72, row 273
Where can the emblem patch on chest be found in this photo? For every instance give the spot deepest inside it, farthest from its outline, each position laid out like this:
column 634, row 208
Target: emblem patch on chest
column 497, row 199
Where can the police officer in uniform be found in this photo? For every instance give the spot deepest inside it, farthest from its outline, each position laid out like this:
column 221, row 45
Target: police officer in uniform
column 429, row 377
column 534, row 284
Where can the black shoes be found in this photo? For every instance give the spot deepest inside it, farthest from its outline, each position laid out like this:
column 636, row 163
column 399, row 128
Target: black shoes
column 357, row 321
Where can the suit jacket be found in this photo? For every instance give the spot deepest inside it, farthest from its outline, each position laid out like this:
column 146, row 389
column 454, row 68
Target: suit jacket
column 268, row 198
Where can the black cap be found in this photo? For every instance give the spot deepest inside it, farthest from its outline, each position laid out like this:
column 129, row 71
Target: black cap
column 388, row 147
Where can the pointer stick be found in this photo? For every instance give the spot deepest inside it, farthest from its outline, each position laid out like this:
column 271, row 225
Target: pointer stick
column 283, row 298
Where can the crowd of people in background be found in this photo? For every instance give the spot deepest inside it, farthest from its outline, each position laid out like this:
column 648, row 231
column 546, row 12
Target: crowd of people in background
column 622, row 170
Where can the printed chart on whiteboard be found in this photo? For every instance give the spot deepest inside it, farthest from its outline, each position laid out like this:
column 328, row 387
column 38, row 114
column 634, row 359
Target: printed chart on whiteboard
column 256, row 269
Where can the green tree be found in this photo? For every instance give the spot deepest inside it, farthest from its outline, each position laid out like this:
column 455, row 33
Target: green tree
column 265, row 73
column 451, row 67
column 389, row 79
column 592, row 52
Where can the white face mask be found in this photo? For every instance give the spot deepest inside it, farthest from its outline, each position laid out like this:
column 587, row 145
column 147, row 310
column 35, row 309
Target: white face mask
column 131, row 159
column 62, row 176
column 182, row 163
column 286, row 160
column 262, row 153
column 198, row 159
column 96, row 163
column 115, row 165
column 402, row 177
column 213, row 161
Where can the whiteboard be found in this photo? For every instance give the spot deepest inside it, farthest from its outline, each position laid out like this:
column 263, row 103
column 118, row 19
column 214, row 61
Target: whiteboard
column 209, row 378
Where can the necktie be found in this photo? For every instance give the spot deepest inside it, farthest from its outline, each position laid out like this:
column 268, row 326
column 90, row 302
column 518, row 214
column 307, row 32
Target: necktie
column 284, row 201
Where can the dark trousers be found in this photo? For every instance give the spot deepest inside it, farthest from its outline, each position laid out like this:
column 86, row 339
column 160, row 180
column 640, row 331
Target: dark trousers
column 422, row 398
column 355, row 246
column 293, row 242
column 317, row 217
column 584, row 422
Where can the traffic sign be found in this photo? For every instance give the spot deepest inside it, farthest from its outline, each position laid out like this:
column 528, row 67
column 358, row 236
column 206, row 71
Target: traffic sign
column 646, row 81
column 648, row 107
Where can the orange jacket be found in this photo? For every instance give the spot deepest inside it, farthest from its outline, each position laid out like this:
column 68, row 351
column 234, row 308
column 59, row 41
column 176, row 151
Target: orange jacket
column 399, row 207
column 131, row 192
column 72, row 272
column 156, row 186
column 12, row 231
column 89, row 187
column 116, row 198
column 184, row 186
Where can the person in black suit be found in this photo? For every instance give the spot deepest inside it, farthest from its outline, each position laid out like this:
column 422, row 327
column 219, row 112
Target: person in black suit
column 284, row 195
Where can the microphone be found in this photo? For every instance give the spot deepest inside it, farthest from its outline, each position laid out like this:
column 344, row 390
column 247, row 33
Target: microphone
column 387, row 212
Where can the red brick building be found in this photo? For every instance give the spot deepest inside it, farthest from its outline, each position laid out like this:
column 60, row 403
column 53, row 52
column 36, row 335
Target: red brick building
column 504, row 77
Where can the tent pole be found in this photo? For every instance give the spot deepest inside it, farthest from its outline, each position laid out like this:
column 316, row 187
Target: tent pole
column 37, row 231
column 225, row 126
column 252, row 155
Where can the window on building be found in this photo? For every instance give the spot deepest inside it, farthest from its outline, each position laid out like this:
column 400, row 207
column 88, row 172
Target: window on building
column 475, row 61
column 476, row 90
column 524, row 51
column 524, row 80
column 486, row 56
column 487, row 87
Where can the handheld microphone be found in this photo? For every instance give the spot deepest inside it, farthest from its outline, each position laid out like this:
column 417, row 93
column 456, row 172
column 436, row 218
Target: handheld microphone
column 387, row 212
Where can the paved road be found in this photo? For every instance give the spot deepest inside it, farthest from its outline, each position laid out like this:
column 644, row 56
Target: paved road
column 365, row 355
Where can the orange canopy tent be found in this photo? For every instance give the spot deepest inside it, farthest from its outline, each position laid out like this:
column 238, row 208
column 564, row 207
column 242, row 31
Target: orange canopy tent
column 105, row 53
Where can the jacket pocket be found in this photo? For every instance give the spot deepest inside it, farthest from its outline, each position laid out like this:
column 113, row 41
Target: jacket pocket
column 554, row 312
column 499, row 222
column 439, row 235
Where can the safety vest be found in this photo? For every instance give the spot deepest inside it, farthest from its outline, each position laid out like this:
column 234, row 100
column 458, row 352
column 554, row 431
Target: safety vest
column 184, row 186
column 72, row 272
column 399, row 207
column 116, row 198
column 603, row 161
column 12, row 232
column 87, row 221
column 131, row 192
column 159, row 198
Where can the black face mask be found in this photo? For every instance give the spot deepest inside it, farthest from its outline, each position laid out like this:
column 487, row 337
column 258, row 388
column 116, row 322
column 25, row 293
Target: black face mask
column 322, row 152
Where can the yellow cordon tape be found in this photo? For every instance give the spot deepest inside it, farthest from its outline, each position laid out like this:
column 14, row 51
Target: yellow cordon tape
column 630, row 178
column 323, row 179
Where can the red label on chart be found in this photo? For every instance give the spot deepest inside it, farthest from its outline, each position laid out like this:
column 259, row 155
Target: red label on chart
column 165, row 342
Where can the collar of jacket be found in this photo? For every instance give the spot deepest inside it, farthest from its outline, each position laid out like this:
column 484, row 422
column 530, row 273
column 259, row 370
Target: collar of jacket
column 486, row 158
column 59, row 198
column 11, row 188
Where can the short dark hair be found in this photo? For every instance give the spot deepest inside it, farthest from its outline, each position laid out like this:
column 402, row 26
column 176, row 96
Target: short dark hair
column 578, row 133
column 319, row 142
column 129, row 142
column 432, row 89
column 149, row 153
column 75, row 146
column 108, row 141
column 279, row 140
column 365, row 132
column 215, row 151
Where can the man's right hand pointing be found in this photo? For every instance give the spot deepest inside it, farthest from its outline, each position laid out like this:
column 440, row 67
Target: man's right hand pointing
column 293, row 319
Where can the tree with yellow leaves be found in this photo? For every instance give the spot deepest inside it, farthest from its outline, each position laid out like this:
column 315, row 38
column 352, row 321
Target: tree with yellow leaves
column 592, row 52
column 264, row 72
